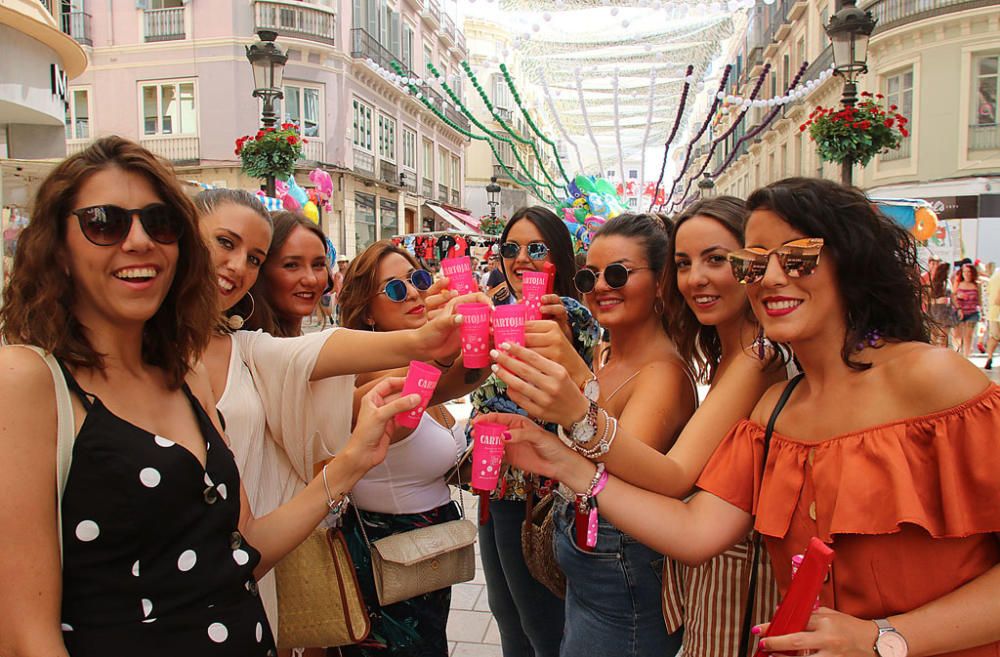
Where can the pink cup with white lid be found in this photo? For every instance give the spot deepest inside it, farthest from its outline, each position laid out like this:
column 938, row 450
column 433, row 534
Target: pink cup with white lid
column 459, row 274
column 487, row 454
column 421, row 379
column 475, row 333
column 534, row 285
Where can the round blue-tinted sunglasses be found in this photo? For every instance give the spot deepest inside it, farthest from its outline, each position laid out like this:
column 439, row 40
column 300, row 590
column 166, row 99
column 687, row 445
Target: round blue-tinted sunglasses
column 395, row 289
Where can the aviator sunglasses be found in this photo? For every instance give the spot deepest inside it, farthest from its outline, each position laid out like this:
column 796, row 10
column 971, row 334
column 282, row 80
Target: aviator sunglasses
column 107, row 225
column 395, row 289
column 615, row 275
column 536, row 250
column 797, row 258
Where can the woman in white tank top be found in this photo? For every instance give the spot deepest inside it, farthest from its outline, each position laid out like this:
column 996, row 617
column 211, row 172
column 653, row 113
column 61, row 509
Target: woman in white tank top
column 408, row 490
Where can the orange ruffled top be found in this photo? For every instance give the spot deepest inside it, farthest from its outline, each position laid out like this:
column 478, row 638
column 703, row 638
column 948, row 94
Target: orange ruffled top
column 911, row 507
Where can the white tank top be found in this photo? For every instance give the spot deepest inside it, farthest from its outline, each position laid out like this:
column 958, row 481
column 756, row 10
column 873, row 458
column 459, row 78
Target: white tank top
column 411, row 479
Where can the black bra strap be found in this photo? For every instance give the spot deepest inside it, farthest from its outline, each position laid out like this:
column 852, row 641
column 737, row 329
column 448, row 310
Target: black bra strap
column 86, row 398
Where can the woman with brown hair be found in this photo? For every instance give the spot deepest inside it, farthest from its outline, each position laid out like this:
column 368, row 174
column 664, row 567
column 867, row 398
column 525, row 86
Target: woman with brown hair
column 385, row 291
column 158, row 548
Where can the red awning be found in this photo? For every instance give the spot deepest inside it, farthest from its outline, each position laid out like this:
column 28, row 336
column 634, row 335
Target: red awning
column 456, row 217
column 464, row 217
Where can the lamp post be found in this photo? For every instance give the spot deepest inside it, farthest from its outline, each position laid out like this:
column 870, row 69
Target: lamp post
column 267, row 62
column 493, row 196
column 707, row 186
column 849, row 30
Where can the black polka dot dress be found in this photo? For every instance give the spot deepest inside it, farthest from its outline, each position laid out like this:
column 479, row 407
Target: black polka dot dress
column 153, row 562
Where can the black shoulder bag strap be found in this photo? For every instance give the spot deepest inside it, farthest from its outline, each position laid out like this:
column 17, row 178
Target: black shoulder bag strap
column 756, row 545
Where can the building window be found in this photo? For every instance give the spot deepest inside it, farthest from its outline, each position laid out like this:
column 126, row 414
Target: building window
column 301, row 106
column 456, row 172
column 986, row 88
column 633, row 202
column 633, row 174
column 362, row 129
column 443, row 168
column 386, row 138
column 899, row 91
column 501, row 93
column 364, row 221
column 78, row 114
column 428, row 160
column 610, row 174
column 407, row 54
column 165, row 4
column 388, row 218
column 428, row 58
column 409, row 149
column 169, row 108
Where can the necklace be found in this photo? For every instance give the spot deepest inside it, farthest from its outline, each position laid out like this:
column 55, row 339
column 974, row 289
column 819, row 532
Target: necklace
column 622, row 384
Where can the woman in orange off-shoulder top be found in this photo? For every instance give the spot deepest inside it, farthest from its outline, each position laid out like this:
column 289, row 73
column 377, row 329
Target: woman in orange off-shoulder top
column 897, row 474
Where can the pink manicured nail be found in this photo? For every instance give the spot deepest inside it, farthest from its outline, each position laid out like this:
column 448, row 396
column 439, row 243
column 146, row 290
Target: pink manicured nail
column 756, row 630
column 507, row 436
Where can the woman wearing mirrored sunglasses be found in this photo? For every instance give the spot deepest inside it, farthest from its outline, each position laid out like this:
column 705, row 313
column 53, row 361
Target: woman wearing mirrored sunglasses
column 528, row 615
column 613, row 600
column 286, row 401
column 869, row 453
column 151, row 548
column 384, row 292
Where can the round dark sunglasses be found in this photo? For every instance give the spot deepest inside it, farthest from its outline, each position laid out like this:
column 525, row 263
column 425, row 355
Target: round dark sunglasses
column 536, row 250
column 395, row 289
column 107, row 225
column 615, row 275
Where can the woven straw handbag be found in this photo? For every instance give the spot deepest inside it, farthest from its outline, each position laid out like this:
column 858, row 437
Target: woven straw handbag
column 419, row 561
column 538, row 543
column 319, row 600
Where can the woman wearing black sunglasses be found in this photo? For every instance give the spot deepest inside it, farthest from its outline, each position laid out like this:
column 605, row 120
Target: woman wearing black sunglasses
column 149, row 547
column 385, row 292
column 528, row 615
column 868, row 452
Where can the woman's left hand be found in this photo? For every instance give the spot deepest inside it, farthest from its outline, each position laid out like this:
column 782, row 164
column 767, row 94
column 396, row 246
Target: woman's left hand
column 553, row 308
column 540, row 386
column 829, row 633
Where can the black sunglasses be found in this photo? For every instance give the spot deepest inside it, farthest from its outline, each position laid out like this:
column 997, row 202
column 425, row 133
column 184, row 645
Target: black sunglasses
column 107, row 225
column 615, row 275
column 395, row 289
column 536, row 250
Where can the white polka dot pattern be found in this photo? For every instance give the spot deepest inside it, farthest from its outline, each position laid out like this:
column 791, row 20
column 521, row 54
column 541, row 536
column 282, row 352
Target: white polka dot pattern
column 150, row 477
column 87, row 531
column 187, row 560
column 147, row 607
column 163, row 442
column 241, row 557
column 259, row 632
column 135, row 568
column 218, row 632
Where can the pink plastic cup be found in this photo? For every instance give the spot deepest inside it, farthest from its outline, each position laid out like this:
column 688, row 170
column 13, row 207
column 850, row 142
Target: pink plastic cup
column 508, row 324
column 421, row 379
column 534, row 284
column 459, row 274
column 475, row 332
column 487, row 454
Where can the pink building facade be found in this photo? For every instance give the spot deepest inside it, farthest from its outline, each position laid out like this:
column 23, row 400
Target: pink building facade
column 173, row 75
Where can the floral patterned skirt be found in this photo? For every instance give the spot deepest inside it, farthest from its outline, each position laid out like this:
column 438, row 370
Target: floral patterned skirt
column 411, row 628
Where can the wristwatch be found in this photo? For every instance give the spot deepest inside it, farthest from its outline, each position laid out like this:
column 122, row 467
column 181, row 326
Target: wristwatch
column 582, row 431
column 889, row 643
column 592, row 390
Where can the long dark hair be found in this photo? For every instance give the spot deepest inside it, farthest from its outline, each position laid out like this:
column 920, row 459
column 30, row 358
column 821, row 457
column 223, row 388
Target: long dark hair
column 698, row 344
column 557, row 238
column 265, row 316
column 39, row 298
column 939, row 283
column 878, row 274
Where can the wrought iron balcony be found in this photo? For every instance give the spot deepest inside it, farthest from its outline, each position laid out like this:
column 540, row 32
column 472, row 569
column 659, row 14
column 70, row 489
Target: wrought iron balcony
column 456, row 198
column 163, row 24
column 895, row 13
column 443, row 193
column 296, row 19
column 427, row 188
column 77, row 25
column 460, row 41
column 448, row 29
column 388, row 172
column 365, row 46
column 432, row 11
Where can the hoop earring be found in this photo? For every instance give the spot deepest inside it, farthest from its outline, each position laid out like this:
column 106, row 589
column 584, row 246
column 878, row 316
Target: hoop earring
column 236, row 322
column 658, row 302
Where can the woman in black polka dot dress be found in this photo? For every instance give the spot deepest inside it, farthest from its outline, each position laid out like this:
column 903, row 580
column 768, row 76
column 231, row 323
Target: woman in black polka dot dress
column 160, row 551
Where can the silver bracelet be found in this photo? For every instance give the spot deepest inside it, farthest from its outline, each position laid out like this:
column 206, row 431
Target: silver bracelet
column 603, row 446
column 582, row 449
column 336, row 508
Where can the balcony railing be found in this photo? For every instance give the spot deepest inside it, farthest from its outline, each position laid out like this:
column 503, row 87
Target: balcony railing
column 409, row 181
column 432, row 10
column 388, row 172
column 894, row 13
column 179, row 150
column 901, row 153
column 296, row 19
column 460, row 41
column 427, row 188
column 365, row 46
column 163, row 24
column 76, row 146
column 456, row 198
column 364, row 162
column 77, row 25
column 448, row 27
column 443, row 193
column 313, row 150
column 505, row 114
column 453, row 114
column 984, row 137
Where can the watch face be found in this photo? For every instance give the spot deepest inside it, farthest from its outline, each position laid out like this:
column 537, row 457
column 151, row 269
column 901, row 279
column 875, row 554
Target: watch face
column 891, row 644
column 583, row 432
column 592, row 390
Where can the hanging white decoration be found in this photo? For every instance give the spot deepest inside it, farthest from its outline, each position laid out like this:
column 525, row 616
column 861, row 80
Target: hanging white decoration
column 790, row 97
column 649, row 125
column 618, row 130
column 555, row 116
column 586, row 122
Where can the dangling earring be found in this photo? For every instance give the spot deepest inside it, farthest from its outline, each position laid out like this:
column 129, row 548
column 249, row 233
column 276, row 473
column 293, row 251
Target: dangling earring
column 870, row 339
column 658, row 306
column 236, row 322
column 371, row 325
column 760, row 344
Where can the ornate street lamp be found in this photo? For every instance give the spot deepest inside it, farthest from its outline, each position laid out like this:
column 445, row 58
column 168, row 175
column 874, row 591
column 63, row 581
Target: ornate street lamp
column 849, row 30
column 493, row 196
column 707, row 186
column 268, row 62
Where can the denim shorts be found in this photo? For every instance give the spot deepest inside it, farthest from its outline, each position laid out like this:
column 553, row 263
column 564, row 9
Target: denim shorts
column 613, row 595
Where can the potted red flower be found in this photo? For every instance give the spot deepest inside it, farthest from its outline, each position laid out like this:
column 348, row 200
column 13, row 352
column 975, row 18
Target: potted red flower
column 857, row 133
column 271, row 152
